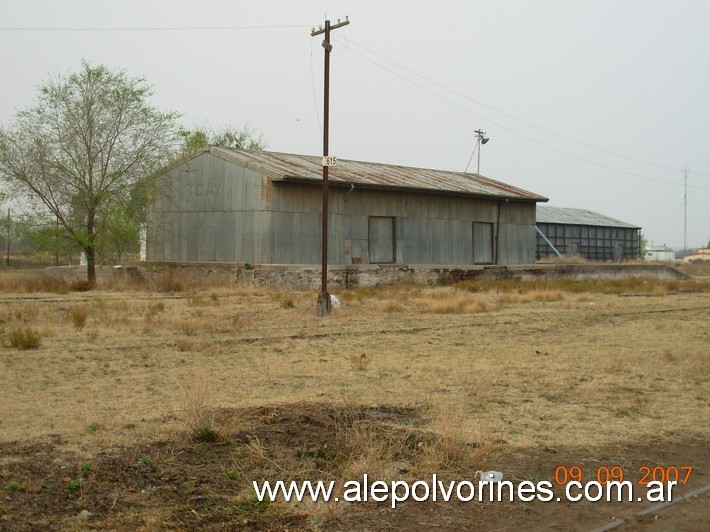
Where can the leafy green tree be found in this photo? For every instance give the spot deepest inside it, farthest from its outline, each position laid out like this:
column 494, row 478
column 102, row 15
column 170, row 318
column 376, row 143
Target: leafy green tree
column 123, row 232
column 41, row 233
column 228, row 136
column 643, row 245
column 76, row 155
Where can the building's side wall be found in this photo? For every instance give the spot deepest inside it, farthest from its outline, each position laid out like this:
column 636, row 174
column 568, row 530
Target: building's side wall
column 590, row 242
column 517, row 233
column 697, row 257
column 659, row 255
column 427, row 229
column 208, row 210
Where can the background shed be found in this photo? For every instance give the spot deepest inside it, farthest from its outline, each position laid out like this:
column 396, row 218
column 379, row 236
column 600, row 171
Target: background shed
column 585, row 233
column 659, row 253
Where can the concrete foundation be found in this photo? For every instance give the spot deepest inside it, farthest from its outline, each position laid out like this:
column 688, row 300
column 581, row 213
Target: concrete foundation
column 308, row 277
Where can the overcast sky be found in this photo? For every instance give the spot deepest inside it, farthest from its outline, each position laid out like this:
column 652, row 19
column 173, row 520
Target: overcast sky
column 596, row 104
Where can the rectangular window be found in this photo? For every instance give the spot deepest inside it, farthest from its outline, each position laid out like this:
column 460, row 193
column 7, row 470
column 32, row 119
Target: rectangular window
column 381, row 239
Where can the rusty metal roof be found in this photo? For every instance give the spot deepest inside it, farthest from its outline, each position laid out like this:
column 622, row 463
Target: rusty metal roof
column 287, row 167
column 569, row 216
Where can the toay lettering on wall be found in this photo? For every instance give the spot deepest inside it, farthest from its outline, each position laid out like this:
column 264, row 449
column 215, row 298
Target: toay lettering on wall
column 203, row 189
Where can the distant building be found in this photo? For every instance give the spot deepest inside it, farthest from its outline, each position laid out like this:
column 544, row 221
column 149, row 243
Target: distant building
column 659, row 253
column 229, row 205
column 701, row 255
column 584, row 233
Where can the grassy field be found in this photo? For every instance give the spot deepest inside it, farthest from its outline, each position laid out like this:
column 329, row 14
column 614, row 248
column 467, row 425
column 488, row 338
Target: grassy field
column 154, row 404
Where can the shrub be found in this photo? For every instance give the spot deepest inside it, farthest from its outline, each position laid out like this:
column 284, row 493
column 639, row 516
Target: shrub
column 13, row 486
column 26, row 338
column 206, row 434
column 26, row 314
column 360, row 362
column 155, row 308
column 204, row 424
column 184, row 344
column 80, row 285
column 454, row 305
column 394, row 306
column 73, row 485
column 169, row 281
column 188, row 327
column 79, row 315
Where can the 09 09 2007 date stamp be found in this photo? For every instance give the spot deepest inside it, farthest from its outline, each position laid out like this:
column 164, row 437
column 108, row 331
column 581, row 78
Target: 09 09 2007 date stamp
column 604, row 474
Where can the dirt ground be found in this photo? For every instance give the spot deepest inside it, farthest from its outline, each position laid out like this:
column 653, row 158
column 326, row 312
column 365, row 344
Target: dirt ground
column 399, row 383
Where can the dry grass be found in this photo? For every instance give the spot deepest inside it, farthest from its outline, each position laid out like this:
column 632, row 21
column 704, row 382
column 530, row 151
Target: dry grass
column 24, row 338
column 79, row 315
column 197, row 410
column 455, row 304
column 393, row 306
column 630, row 285
column 530, row 296
column 410, row 298
column 169, row 281
column 360, row 362
column 695, row 269
column 28, row 283
column 548, row 359
column 401, row 382
column 23, row 313
column 185, row 344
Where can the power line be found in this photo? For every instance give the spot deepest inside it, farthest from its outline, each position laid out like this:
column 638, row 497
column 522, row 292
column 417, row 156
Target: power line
column 508, row 115
column 315, row 100
column 522, row 135
column 156, row 28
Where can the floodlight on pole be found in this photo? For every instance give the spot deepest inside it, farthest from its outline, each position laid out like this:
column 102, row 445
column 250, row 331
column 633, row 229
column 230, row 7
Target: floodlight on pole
column 480, row 139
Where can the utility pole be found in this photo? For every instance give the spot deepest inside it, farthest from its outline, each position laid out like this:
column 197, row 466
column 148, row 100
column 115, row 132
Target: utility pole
column 481, row 135
column 480, row 139
column 685, row 208
column 323, row 302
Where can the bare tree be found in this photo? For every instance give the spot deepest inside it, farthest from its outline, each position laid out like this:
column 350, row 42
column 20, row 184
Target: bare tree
column 76, row 155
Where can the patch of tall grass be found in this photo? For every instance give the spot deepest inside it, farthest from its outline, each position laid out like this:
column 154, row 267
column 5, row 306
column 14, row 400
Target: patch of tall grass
column 630, row 285
column 28, row 283
column 79, row 315
column 24, row 338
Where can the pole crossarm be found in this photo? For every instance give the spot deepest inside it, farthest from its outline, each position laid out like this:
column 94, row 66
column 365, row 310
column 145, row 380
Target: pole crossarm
column 320, row 30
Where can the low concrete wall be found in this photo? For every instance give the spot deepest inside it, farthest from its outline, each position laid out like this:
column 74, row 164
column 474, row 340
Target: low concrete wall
column 309, row 277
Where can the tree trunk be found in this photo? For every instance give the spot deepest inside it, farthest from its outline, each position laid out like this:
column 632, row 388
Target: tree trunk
column 91, row 265
column 90, row 248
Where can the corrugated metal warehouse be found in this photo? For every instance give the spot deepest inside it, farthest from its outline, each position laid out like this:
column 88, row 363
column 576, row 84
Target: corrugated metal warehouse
column 585, row 233
column 237, row 206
